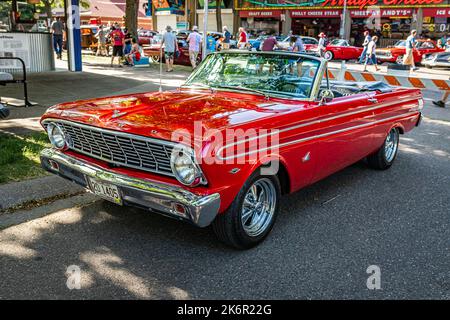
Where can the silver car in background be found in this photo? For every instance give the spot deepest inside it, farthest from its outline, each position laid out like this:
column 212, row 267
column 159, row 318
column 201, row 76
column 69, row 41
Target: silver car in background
column 441, row 59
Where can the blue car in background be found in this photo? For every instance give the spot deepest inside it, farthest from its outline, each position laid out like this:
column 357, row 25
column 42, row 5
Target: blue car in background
column 257, row 42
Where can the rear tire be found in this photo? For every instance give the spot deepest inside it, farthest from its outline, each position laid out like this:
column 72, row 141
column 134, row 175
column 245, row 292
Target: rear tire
column 250, row 219
column 384, row 157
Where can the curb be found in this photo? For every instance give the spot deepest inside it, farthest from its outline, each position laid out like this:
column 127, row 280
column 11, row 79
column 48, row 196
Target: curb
column 16, row 194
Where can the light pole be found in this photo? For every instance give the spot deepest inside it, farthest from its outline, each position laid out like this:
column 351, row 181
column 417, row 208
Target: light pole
column 344, row 19
column 205, row 29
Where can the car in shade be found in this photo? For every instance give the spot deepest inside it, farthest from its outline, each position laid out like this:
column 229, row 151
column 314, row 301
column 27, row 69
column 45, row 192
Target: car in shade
column 154, row 52
column 221, row 150
column 396, row 53
column 145, row 36
column 340, row 49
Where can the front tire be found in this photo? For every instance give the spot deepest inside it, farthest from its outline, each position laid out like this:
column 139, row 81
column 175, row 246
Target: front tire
column 155, row 58
column 328, row 55
column 252, row 214
column 384, row 157
column 399, row 60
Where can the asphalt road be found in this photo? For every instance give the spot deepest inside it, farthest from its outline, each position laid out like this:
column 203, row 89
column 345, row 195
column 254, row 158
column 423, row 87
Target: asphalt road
column 326, row 237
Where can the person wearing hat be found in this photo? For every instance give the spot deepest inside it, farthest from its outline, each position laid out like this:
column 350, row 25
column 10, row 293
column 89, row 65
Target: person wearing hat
column 322, row 44
column 195, row 41
column 170, row 43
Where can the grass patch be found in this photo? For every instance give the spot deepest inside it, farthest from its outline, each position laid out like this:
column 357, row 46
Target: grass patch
column 19, row 156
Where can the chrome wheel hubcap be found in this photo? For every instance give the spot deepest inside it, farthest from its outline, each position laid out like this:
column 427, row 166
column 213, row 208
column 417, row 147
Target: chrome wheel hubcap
column 391, row 145
column 258, row 207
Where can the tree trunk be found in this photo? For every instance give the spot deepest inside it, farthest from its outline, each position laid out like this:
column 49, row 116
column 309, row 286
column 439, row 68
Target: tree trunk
column 154, row 18
column 48, row 9
column 218, row 15
column 131, row 16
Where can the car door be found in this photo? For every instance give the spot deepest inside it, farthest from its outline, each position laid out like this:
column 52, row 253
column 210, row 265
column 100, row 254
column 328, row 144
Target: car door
column 345, row 134
column 423, row 49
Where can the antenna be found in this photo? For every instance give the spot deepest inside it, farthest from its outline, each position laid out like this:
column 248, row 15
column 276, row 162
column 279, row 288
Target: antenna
column 160, row 70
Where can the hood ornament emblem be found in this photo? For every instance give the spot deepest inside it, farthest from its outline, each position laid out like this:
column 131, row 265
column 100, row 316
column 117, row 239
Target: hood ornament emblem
column 117, row 114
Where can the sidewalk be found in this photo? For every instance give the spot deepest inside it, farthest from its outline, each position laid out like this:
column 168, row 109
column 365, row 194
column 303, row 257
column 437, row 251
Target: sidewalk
column 97, row 80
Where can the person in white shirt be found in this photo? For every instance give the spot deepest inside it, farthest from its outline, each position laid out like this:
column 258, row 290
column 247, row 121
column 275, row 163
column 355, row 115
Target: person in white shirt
column 370, row 54
column 195, row 40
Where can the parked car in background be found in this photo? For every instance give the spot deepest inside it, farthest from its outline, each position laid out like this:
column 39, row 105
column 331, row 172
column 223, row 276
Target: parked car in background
column 340, row 49
column 311, row 44
column 256, row 43
column 154, row 52
column 441, row 59
column 396, row 53
column 265, row 130
column 146, row 36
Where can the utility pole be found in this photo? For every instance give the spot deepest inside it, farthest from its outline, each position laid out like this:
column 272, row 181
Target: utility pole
column 205, row 29
column 344, row 19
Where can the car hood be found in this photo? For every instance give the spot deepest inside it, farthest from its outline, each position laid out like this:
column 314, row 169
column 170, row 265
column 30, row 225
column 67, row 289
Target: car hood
column 159, row 115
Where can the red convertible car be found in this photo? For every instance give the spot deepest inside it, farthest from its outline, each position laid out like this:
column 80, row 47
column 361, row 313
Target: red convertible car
column 221, row 150
column 395, row 54
column 340, row 49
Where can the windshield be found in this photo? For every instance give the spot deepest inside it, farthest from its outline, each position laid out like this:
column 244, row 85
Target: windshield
column 271, row 74
column 339, row 42
column 401, row 43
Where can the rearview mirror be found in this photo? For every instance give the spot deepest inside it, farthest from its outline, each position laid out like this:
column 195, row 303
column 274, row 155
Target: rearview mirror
column 326, row 96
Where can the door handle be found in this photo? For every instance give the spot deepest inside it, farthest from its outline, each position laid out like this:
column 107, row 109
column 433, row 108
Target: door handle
column 373, row 100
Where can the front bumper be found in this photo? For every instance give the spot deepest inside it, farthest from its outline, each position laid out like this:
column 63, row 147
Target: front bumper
column 162, row 198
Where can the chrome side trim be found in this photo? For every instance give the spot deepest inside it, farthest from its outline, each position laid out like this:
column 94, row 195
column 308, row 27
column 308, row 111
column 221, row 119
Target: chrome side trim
column 402, row 117
column 200, row 209
column 221, row 149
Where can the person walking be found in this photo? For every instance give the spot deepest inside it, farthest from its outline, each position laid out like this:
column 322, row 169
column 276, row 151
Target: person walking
column 243, row 39
column 270, row 43
column 195, row 40
column 57, row 28
column 408, row 59
column 370, row 54
column 226, row 38
column 117, row 38
column 101, row 42
column 322, row 44
column 444, row 99
column 170, row 43
column 367, row 39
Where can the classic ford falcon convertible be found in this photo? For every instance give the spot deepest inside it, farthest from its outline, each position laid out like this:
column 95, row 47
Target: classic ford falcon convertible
column 221, row 150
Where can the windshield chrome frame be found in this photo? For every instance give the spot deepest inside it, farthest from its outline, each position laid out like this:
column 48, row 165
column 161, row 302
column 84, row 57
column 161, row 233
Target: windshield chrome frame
column 315, row 85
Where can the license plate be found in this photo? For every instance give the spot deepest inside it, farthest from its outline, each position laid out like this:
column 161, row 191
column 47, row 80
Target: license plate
column 105, row 190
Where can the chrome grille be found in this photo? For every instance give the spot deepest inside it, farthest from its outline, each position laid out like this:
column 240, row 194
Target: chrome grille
column 119, row 148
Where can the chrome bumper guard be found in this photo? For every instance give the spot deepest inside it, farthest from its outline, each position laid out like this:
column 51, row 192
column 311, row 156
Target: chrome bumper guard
column 168, row 200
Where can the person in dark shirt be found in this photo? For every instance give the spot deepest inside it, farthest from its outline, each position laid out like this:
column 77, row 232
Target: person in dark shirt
column 57, row 28
column 270, row 43
column 226, row 38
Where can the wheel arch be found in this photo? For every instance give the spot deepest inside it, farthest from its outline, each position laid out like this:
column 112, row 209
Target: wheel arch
column 282, row 172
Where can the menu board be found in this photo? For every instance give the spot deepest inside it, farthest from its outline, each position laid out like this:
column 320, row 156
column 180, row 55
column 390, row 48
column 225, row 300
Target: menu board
column 14, row 45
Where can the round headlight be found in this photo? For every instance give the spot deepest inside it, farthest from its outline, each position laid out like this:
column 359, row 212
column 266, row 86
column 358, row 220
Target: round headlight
column 56, row 136
column 183, row 166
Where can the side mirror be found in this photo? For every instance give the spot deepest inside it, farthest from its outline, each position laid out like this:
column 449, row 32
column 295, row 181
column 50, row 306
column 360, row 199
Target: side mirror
column 326, row 96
